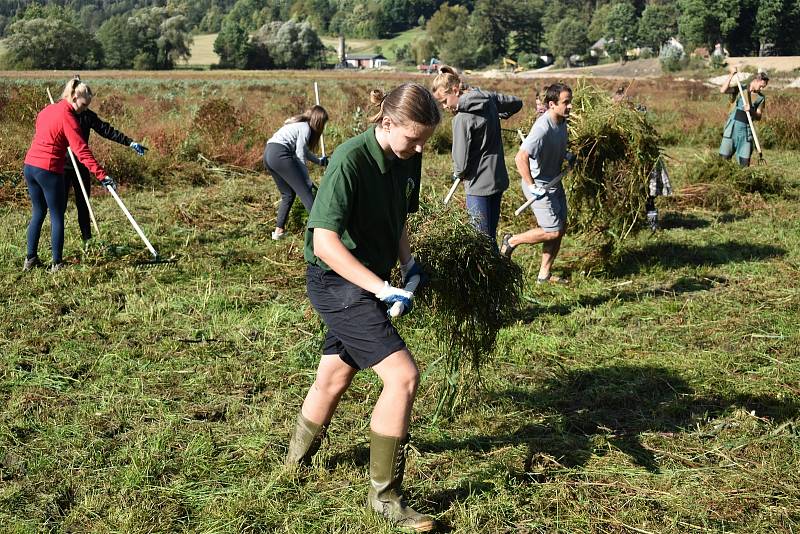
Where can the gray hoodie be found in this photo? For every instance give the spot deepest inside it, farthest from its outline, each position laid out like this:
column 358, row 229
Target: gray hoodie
column 478, row 157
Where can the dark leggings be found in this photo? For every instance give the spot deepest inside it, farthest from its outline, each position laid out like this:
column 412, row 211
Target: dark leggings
column 485, row 213
column 47, row 191
column 71, row 181
column 281, row 163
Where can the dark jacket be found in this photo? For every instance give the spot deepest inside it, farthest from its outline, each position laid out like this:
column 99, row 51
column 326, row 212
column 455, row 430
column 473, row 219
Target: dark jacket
column 88, row 121
column 478, row 157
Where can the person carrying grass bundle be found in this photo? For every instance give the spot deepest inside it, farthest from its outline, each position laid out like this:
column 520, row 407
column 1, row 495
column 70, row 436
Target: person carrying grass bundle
column 285, row 159
column 478, row 157
column 737, row 137
column 356, row 233
column 539, row 161
column 88, row 121
column 57, row 128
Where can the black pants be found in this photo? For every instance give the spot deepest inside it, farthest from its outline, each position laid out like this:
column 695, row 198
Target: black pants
column 71, row 182
column 282, row 164
column 46, row 190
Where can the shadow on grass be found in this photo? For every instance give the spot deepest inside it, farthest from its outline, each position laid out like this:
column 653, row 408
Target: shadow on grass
column 687, row 221
column 677, row 255
column 671, row 220
column 684, row 284
column 590, row 412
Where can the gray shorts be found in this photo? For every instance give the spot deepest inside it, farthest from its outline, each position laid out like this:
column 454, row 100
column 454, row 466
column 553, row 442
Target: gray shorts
column 551, row 210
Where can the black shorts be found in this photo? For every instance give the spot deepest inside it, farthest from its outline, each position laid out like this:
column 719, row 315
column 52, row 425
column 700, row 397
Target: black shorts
column 359, row 329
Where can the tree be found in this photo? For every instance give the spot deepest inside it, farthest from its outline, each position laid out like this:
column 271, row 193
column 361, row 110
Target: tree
column 567, row 38
column 290, row 45
column 48, row 43
column 597, row 28
column 120, row 42
column 163, row 38
column 150, row 38
column 696, row 23
column 727, row 14
column 525, row 28
column 768, row 24
column 317, row 12
column 446, row 19
column 232, row 45
column 621, row 29
column 659, row 22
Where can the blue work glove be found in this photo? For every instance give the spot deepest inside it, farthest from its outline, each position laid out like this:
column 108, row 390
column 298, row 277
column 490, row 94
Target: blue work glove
column 390, row 295
column 323, row 161
column 140, row 149
column 109, row 182
column 412, row 269
column 571, row 159
column 536, row 191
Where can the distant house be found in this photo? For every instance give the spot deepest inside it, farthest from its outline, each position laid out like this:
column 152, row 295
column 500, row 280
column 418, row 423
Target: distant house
column 366, row 61
column 598, row 49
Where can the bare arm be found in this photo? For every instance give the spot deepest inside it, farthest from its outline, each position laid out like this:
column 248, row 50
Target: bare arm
column 523, row 166
column 759, row 112
column 727, row 84
column 329, row 248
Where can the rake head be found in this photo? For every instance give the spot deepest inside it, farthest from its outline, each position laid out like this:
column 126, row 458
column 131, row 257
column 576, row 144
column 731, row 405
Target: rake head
column 157, row 260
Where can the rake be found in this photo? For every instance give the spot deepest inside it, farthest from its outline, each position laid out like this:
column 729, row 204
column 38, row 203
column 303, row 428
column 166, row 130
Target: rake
column 746, row 103
column 157, row 260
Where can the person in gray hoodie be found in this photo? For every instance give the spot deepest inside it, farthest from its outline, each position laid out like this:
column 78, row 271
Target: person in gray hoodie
column 478, row 158
column 285, row 159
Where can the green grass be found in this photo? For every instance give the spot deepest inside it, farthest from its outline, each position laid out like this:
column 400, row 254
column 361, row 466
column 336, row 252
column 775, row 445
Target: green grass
column 370, row 46
column 659, row 396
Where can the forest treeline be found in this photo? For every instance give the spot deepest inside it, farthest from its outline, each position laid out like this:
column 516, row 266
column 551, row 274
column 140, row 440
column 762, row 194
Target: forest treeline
column 157, row 34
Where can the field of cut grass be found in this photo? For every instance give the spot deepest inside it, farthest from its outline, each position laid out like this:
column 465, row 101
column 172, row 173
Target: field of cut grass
column 203, row 47
column 660, row 396
column 203, row 51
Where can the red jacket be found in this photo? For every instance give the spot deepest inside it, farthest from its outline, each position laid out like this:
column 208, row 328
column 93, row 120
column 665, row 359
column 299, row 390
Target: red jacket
column 56, row 128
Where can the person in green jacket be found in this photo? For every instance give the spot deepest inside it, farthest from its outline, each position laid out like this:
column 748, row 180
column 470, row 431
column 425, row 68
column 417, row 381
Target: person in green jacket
column 737, row 137
column 356, row 232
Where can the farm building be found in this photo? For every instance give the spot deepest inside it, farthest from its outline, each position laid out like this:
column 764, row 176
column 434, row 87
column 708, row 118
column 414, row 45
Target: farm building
column 366, row 61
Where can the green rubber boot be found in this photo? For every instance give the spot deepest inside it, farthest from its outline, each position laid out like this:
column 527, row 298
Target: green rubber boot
column 387, row 463
column 305, row 441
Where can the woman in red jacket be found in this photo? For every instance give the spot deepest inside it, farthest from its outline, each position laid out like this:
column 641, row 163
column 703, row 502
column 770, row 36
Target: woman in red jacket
column 56, row 129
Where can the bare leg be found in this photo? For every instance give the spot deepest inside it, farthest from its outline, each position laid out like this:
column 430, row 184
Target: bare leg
column 549, row 252
column 333, row 379
column 533, row 236
column 400, row 378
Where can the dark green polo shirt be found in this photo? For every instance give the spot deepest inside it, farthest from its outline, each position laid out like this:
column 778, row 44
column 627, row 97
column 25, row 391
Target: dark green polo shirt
column 365, row 197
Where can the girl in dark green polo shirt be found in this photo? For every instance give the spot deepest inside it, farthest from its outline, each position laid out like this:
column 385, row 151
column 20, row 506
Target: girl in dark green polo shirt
column 356, row 233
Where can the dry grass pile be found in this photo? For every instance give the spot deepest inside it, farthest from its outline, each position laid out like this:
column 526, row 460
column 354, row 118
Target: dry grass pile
column 473, row 293
column 617, row 149
column 719, row 184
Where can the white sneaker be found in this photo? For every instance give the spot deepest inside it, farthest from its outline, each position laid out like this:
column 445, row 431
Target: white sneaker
column 276, row 235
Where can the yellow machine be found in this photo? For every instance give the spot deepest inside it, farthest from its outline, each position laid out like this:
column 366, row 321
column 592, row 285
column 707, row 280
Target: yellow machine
column 512, row 65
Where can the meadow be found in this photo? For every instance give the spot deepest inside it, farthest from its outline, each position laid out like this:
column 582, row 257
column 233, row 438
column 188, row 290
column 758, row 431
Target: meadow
column 659, row 395
column 203, row 54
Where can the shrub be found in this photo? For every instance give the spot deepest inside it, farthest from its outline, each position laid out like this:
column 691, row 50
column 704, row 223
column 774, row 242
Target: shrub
column 672, row 58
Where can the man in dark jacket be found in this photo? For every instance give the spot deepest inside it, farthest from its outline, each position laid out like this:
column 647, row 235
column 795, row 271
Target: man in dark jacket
column 88, row 121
